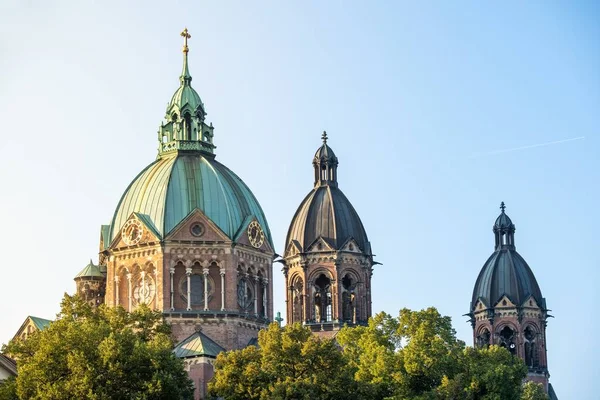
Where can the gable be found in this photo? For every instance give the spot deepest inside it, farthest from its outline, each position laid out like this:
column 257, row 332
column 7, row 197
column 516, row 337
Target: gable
column 351, row 246
column 196, row 226
column 242, row 236
column 480, row 305
column 293, row 249
column 530, row 303
column 505, row 302
column 31, row 325
column 320, row 244
column 138, row 229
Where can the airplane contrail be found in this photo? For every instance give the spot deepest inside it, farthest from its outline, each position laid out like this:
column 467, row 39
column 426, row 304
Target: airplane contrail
column 527, row 147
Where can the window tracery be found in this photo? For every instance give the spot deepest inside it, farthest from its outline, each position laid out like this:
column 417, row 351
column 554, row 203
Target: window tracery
column 245, row 293
column 144, row 290
column 507, row 340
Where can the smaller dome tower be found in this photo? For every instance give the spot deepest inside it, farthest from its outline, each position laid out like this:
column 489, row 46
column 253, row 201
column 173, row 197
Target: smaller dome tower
column 91, row 283
column 328, row 261
column 507, row 307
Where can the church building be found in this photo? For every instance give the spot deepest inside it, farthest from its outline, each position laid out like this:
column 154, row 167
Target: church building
column 189, row 238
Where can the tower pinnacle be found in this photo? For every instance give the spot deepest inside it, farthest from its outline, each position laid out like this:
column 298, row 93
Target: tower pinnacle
column 185, row 77
column 502, row 207
column 324, row 137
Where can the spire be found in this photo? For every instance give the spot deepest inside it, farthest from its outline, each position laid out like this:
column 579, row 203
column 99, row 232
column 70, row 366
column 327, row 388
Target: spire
column 185, row 77
column 325, row 164
column 502, row 207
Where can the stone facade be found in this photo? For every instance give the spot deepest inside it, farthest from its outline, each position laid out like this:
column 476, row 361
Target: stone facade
column 326, row 288
column 519, row 328
column 195, row 280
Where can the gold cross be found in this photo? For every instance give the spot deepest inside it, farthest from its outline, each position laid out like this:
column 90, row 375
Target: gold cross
column 186, row 36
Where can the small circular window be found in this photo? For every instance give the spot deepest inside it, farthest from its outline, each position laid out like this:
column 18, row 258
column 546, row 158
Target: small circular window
column 351, row 247
column 197, row 229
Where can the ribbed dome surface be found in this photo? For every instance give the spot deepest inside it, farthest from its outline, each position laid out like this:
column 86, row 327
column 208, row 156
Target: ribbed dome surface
column 171, row 187
column 325, row 153
column 503, row 221
column 186, row 95
column 326, row 212
column 506, row 273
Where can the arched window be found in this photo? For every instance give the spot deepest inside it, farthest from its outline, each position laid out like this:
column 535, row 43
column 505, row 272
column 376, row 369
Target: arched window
column 245, row 294
column 507, row 339
column 349, row 299
column 322, row 299
column 531, row 353
column 297, row 297
column 483, row 339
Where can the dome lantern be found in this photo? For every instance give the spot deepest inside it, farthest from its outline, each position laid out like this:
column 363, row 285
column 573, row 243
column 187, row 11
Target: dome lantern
column 325, row 164
column 504, row 230
column 184, row 129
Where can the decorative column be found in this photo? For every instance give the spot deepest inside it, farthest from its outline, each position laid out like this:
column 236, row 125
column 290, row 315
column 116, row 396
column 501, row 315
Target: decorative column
column 205, row 272
column 142, row 290
column 222, row 270
column 255, row 279
column 264, row 290
column 129, row 290
column 172, row 275
column 117, row 300
column 188, row 272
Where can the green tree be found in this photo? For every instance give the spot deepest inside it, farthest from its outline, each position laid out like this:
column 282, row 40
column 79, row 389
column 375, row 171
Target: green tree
column 533, row 391
column 371, row 352
column 8, row 389
column 417, row 356
column 485, row 374
column 100, row 353
column 290, row 363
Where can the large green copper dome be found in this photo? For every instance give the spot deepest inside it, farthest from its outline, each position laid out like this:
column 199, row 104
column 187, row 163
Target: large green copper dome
column 186, row 176
column 170, row 188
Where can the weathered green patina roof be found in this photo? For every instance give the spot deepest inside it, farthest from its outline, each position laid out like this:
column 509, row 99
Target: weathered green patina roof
column 105, row 236
column 90, row 271
column 40, row 323
column 197, row 345
column 170, row 188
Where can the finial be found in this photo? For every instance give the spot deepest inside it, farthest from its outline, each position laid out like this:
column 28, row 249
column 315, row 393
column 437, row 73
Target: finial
column 502, row 207
column 324, row 137
column 186, row 36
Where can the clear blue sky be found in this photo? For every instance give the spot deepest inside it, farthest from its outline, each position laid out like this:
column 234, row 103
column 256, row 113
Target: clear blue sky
column 418, row 98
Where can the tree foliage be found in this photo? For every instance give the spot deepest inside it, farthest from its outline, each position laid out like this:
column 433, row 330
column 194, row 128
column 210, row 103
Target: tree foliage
column 100, row 353
column 290, row 363
column 534, row 391
column 415, row 356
